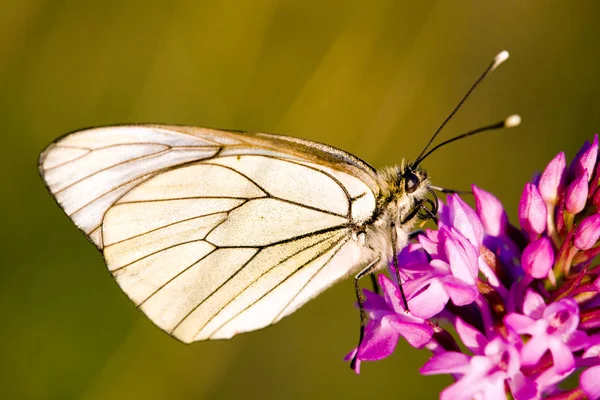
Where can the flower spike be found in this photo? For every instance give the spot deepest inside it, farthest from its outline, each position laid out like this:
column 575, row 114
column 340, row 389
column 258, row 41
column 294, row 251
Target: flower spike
column 525, row 302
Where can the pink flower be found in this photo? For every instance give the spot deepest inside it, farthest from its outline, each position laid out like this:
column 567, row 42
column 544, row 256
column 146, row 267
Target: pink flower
column 452, row 275
column 484, row 375
column 551, row 328
column 388, row 320
column 524, row 301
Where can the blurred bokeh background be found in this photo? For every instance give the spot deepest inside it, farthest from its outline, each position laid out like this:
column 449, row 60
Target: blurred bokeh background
column 374, row 78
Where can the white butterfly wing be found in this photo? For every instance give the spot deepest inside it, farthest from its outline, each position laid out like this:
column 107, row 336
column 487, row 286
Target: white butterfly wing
column 213, row 233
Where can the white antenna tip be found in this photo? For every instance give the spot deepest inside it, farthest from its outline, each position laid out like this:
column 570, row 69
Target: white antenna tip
column 512, row 121
column 500, row 58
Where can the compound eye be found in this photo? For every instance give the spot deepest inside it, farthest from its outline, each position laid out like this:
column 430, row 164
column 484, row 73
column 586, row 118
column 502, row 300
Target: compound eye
column 411, row 182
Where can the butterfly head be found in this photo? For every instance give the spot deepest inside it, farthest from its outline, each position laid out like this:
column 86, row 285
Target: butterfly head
column 414, row 180
column 404, row 189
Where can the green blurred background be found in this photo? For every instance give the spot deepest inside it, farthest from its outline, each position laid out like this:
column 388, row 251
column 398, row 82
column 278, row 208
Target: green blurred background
column 374, row 78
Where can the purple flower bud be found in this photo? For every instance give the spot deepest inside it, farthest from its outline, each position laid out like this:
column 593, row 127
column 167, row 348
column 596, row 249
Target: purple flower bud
column 553, row 179
column 590, row 382
column 588, row 232
column 576, row 194
column 586, row 159
column 490, row 211
column 532, row 210
column 538, row 258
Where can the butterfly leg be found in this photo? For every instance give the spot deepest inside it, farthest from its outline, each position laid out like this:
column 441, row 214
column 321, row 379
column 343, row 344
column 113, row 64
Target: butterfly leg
column 428, row 214
column 361, row 299
column 374, row 283
column 396, row 267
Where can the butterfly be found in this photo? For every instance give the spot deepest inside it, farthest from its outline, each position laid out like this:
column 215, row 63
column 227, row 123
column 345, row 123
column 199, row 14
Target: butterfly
column 212, row 233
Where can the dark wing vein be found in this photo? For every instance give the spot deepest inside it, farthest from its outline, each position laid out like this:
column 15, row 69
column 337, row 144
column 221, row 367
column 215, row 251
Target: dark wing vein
column 333, row 178
column 189, row 241
column 67, row 162
column 175, row 277
column 249, row 284
column 216, row 290
column 319, row 254
column 188, row 198
column 165, row 226
column 156, row 252
column 132, row 160
column 141, row 178
column 309, row 280
column 292, row 239
column 241, row 174
column 309, row 207
column 291, row 201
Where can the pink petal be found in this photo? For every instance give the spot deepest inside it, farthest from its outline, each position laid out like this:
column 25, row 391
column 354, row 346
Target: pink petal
column 465, row 220
column 430, row 301
column 412, row 257
column 498, row 348
column 532, row 210
column 562, row 356
column 534, row 349
column 430, row 242
column 588, row 232
column 470, row 336
column 417, row 335
column 538, row 258
column 522, row 387
column 444, row 214
column 577, row 340
column 450, row 362
column 470, row 251
column 519, row 323
column 590, row 382
column 490, row 212
column 586, row 160
column 374, row 302
column 553, row 179
column 380, row 340
column 576, row 194
column 473, row 383
column 548, row 379
column 534, row 304
column 494, row 389
column 391, row 293
column 460, row 265
column 460, row 292
column 463, row 390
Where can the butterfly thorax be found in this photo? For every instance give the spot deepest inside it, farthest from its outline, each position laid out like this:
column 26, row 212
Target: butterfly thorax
column 402, row 188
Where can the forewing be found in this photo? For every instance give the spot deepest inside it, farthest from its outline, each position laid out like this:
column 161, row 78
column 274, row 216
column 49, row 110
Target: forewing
column 89, row 170
column 211, row 233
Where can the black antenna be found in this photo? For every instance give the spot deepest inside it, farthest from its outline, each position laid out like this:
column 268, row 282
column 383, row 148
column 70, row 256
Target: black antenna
column 509, row 122
column 499, row 59
column 449, row 191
